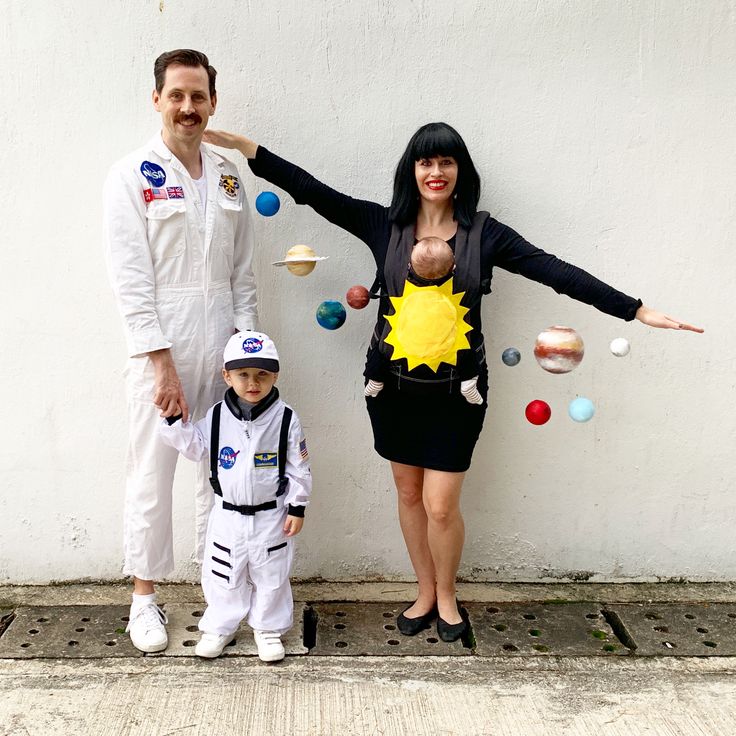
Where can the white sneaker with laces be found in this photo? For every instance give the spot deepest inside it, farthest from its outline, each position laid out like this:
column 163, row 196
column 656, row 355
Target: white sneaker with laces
column 146, row 627
column 270, row 648
column 212, row 645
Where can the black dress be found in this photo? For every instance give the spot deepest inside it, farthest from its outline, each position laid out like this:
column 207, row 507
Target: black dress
column 436, row 430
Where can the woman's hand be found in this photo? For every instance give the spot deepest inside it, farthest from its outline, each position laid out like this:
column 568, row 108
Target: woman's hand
column 231, row 140
column 653, row 318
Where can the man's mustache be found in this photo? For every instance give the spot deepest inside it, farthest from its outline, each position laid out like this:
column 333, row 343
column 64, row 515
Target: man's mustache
column 186, row 118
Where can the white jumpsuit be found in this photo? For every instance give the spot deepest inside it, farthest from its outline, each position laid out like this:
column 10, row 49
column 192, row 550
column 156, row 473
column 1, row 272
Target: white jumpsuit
column 182, row 279
column 248, row 558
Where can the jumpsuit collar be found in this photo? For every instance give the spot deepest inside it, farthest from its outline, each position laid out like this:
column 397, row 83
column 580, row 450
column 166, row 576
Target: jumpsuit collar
column 231, row 401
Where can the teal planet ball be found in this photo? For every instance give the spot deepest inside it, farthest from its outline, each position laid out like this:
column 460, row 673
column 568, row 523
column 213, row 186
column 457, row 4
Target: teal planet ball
column 331, row 314
column 267, row 204
column 511, row 356
column 581, row 409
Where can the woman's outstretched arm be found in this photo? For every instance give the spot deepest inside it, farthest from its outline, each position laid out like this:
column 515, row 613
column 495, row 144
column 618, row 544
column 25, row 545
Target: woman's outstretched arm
column 513, row 253
column 362, row 218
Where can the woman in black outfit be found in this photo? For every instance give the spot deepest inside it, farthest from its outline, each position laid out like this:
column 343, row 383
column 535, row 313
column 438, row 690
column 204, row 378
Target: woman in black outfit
column 421, row 423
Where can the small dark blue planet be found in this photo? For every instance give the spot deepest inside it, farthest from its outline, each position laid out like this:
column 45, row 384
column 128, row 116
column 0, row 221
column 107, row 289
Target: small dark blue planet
column 331, row 314
column 511, row 356
column 267, row 204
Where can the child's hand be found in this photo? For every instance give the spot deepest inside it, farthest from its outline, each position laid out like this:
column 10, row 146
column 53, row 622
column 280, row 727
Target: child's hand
column 177, row 413
column 293, row 525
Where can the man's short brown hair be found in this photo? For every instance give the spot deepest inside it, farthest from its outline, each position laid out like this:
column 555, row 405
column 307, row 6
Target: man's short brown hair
column 184, row 57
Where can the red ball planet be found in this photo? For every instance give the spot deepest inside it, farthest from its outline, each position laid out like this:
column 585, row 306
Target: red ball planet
column 559, row 349
column 538, row 411
column 358, row 297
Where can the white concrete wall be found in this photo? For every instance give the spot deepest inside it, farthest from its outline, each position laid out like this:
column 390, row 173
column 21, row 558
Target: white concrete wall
column 604, row 133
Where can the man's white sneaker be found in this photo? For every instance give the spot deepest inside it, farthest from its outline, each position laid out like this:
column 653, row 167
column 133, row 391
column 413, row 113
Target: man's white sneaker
column 211, row 645
column 270, row 648
column 146, row 628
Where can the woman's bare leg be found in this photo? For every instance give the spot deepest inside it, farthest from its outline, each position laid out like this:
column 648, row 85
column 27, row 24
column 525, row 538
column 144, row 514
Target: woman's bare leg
column 413, row 520
column 445, row 536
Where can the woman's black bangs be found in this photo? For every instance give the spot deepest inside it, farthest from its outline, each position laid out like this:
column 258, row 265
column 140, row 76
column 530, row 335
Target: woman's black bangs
column 440, row 142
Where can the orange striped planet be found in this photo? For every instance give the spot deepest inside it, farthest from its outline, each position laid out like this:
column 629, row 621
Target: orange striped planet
column 559, row 349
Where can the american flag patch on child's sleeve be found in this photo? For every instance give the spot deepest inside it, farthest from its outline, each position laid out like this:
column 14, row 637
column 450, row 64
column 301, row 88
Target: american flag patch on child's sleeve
column 303, row 450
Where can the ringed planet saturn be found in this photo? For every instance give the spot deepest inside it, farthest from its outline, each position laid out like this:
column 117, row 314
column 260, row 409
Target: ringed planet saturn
column 300, row 260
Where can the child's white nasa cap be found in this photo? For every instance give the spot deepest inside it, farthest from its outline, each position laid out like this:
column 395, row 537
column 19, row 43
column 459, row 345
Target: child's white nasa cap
column 250, row 349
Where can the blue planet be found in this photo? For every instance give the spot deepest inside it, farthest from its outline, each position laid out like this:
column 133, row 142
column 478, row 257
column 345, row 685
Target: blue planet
column 511, row 356
column 331, row 314
column 268, row 204
column 581, row 409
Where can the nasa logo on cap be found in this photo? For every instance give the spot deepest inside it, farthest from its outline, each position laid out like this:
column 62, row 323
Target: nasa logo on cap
column 252, row 345
column 250, row 349
column 154, row 173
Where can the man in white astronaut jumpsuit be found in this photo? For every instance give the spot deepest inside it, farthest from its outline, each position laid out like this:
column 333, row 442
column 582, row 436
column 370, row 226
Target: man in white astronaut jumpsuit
column 179, row 244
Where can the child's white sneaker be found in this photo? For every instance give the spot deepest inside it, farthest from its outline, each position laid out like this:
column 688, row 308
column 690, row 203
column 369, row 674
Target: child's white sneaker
column 270, row 648
column 146, row 628
column 211, row 645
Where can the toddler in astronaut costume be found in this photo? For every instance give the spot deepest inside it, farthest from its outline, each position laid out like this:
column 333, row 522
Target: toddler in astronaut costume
column 259, row 471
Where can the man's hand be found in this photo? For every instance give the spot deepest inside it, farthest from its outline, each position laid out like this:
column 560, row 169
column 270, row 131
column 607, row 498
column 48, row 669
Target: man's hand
column 293, row 525
column 653, row 318
column 231, row 140
column 168, row 394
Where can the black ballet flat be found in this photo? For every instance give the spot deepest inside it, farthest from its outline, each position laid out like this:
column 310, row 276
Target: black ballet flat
column 412, row 626
column 452, row 632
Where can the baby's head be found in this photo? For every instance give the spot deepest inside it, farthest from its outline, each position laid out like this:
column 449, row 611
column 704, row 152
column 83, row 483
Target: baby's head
column 432, row 258
column 250, row 365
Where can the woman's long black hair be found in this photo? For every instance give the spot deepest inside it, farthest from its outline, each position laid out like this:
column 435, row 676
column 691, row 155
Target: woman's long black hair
column 435, row 139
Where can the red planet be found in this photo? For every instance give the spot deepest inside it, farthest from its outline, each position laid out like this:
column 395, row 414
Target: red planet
column 538, row 412
column 358, row 297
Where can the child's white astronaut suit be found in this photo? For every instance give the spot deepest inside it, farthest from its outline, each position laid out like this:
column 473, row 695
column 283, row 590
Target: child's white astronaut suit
column 259, row 469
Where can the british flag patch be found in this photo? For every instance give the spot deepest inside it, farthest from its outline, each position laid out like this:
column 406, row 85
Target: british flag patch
column 303, row 450
column 175, row 192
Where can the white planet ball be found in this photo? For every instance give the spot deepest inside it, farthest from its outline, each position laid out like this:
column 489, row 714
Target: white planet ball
column 620, row 347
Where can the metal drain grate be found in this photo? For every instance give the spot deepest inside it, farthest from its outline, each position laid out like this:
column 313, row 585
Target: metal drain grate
column 679, row 629
column 68, row 631
column 184, row 634
column 6, row 618
column 565, row 629
column 370, row 629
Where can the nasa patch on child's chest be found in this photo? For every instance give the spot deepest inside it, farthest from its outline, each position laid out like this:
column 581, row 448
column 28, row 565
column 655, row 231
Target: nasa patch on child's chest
column 266, row 460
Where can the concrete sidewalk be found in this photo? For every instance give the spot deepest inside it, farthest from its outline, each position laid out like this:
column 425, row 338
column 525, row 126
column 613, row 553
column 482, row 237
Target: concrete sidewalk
column 458, row 693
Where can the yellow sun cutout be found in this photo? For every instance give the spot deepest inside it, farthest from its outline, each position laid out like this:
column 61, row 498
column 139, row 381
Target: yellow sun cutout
column 428, row 325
